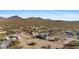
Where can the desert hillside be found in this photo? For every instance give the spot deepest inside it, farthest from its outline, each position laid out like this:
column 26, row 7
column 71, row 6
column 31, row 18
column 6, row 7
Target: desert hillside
column 36, row 32
column 16, row 22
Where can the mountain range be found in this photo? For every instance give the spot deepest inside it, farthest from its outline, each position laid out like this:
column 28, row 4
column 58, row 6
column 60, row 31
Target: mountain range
column 16, row 22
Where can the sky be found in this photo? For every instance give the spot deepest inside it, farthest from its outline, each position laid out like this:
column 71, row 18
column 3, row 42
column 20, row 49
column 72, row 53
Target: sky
column 67, row 15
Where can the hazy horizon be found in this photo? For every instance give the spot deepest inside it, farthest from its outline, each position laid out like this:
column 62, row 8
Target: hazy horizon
column 65, row 15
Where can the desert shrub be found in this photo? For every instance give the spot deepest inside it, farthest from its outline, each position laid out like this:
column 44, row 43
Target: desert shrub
column 1, row 39
column 20, row 47
column 71, row 45
column 40, row 37
column 46, row 47
column 17, row 42
column 10, row 32
column 52, row 40
column 56, row 39
column 14, row 43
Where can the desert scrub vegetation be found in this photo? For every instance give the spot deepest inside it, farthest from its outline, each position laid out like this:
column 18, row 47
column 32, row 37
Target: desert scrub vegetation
column 2, row 35
column 71, row 45
column 14, row 44
column 10, row 32
column 54, row 39
column 46, row 46
column 1, row 39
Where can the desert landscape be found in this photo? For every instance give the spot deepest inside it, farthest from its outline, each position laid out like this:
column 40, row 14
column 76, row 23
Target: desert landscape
column 38, row 33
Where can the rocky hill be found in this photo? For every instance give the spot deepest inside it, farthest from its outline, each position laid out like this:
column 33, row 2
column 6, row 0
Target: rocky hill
column 16, row 22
